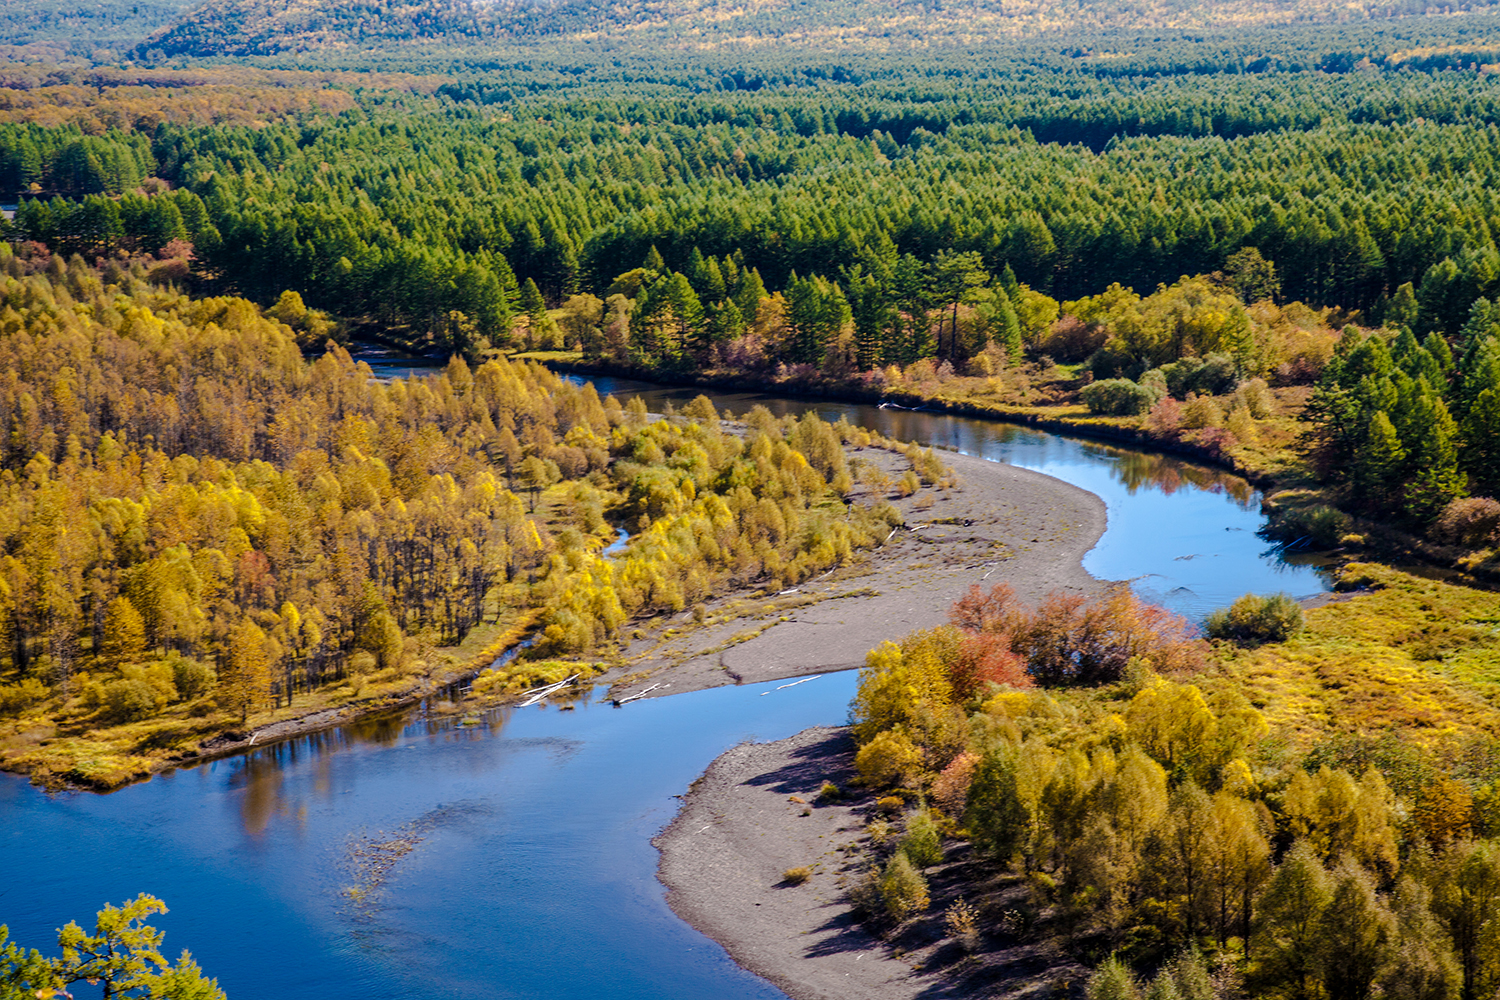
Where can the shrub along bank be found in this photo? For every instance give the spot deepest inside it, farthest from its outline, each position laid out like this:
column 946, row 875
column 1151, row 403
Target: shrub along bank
column 1292, row 809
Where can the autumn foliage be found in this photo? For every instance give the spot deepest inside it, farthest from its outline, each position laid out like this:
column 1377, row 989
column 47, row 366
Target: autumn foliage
column 1156, row 817
column 193, row 515
column 1067, row 639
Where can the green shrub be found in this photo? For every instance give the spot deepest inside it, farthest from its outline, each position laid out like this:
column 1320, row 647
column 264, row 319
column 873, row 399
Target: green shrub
column 1112, row 981
column 1154, row 382
column 1252, row 620
column 903, row 889
column 129, row 701
column 1314, row 524
column 830, row 792
column 922, row 844
column 864, row 893
column 1212, row 375
column 1118, row 397
column 193, row 679
column 1113, row 361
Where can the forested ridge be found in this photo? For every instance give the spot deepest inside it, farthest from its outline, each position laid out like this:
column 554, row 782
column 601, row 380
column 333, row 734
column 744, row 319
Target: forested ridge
column 273, row 27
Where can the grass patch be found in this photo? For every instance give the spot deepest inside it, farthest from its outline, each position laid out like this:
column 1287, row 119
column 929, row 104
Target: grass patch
column 1416, row 655
column 519, row 676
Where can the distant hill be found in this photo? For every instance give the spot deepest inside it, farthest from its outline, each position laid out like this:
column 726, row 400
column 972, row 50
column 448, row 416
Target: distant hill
column 85, row 25
column 266, row 27
column 260, row 27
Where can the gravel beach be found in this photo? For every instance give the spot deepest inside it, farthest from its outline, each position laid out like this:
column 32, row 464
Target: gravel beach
column 1001, row 524
column 755, row 812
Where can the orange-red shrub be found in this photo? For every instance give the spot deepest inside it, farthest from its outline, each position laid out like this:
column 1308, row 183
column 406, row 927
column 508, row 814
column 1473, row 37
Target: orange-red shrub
column 1066, row 640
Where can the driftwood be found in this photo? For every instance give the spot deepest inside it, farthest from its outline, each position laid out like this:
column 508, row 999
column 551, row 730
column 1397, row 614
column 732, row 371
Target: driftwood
column 544, row 692
column 792, row 684
column 640, row 694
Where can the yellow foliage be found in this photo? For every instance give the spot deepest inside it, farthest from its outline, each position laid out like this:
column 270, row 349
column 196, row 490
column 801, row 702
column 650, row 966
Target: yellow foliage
column 901, row 684
column 890, row 758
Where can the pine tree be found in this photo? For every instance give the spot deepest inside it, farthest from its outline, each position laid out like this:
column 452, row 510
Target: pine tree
column 1478, row 370
column 1432, row 446
column 750, row 295
column 1006, row 329
column 954, row 276
column 815, row 312
column 1378, row 464
column 1402, row 310
column 870, row 308
column 533, row 305
column 123, row 953
column 687, row 314
column 1008, row 282
column 1481, row 432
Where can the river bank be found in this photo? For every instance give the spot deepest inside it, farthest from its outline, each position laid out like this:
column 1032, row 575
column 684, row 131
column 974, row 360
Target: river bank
column 1301, row 512
column 1072, row 419
column 756, row 813
column 999, row 524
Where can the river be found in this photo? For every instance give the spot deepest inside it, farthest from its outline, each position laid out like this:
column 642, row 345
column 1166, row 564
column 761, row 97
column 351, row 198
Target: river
column 531, row 874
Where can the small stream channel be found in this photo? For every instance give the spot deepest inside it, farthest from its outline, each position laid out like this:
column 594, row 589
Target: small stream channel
column 532, row 874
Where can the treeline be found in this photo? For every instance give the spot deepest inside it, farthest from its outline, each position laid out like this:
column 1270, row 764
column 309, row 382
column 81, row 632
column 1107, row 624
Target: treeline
column 1149, row 823
column 195, row 512
column 1412, row 426
column 571, row 193
column 419, row 208
column 70, row 163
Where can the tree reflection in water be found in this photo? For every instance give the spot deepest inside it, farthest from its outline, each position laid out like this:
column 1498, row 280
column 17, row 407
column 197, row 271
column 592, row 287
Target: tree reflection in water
column 1136, row 469
column 259, row 776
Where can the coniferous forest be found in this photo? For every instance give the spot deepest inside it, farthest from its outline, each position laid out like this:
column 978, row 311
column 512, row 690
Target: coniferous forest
column 1265, row 235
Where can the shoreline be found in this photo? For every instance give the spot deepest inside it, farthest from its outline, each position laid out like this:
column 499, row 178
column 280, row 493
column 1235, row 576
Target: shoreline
column 1096, row 429
column 1385, row 541
column 755, row 812
column 1062, row 520
column 998, row 524
column 1001, row 524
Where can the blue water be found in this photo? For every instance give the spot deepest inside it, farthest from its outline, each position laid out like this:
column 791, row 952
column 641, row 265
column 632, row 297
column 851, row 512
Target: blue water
column 1184, row 534
column 535, row 878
